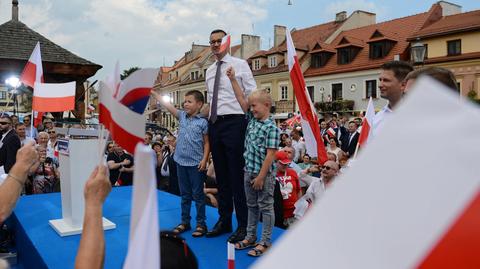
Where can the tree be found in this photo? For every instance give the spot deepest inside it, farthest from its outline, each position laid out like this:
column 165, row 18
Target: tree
column 128, row 72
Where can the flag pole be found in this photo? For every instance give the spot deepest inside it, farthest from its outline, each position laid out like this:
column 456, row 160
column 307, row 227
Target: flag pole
column 31, row 124
column 356, row 151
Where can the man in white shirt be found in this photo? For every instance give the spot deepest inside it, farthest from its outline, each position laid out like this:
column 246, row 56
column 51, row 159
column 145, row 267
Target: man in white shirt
column 298, row 145
column 30, row 131
column 226, row 129
column 392, row 86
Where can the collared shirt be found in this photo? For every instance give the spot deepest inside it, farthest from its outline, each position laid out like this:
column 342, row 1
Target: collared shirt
column 227, row 102
column 260, row 136
column 379, row 118
column 189, row 149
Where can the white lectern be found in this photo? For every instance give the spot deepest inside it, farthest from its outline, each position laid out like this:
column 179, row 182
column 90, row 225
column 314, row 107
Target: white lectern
column 78, row 158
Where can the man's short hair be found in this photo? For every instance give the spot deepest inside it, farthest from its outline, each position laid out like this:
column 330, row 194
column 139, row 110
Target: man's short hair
column 353, row 121
column 197, row 95
column 19, row 124
column 5, row 116
column 399, row 68
column 218, row 31
column 442, row 75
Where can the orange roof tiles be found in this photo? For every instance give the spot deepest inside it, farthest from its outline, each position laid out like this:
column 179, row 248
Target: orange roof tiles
column 397, row 29
column 451, row 24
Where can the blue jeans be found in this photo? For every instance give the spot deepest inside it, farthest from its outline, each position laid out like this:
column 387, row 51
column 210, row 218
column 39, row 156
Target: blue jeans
column 190, row 181
column 260, row 203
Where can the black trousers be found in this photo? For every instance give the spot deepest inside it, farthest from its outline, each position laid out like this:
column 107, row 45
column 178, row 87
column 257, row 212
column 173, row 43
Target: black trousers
column 227, row 136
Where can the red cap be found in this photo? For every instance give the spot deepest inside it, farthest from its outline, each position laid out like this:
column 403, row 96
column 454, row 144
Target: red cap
column 282, row 157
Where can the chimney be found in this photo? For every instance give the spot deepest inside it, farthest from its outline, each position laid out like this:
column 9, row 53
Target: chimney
column 14, row 10
column 250, row 45
column 279, row 34
column 341, row 16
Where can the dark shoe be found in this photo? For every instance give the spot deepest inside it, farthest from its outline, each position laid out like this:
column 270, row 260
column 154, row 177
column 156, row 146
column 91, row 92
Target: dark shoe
column 181, row 228
column 219, row 229
column 238, row 235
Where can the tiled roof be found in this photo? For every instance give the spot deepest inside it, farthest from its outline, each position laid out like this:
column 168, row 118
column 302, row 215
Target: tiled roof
column 17, row 42
column 397, row 29
column 451, row 24
column 443, row 59
column 303, row 39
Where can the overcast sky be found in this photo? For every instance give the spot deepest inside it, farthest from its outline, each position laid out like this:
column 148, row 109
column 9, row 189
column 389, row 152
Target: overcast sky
column 147, row 33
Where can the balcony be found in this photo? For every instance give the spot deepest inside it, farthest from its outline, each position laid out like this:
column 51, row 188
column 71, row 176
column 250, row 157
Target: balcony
column 335, row 106
column 284, row 106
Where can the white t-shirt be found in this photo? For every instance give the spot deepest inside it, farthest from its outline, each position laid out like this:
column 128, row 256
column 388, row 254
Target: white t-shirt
column 300, row 149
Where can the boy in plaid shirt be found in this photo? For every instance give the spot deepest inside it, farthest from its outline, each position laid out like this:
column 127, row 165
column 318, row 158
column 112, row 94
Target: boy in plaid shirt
column 261, row 142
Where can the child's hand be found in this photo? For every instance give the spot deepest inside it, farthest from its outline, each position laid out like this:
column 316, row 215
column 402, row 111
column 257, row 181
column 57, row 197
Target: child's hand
column 203, row 165
column 257, row 183
column 231, row 73
column 155, row 95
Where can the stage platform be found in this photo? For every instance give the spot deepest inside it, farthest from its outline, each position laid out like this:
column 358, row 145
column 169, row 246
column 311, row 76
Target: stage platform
column 39, row 246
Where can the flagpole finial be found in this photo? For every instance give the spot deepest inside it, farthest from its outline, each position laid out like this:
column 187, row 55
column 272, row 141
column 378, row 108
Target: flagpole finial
column 14, row 10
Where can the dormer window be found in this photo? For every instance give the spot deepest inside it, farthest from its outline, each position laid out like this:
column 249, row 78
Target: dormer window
column 272, row 61
column 320, row 59
column 380, row 49
column 256, row 64
column 347, row 54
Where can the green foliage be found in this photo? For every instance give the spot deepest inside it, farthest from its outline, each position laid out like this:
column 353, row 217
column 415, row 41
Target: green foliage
column 128, row 72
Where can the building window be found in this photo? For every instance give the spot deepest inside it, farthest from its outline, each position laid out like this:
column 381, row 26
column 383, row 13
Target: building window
column 177, row 97
column 380, row 49
column 192, row 75
column 204, row 73
column 284, row 92
column 205, row 95
column 196, row 74
column 371, row 88
column 311, row 92
column 272, row 61
column 336, row 91
column 256, row 64
column 320, row 59
column 346, row 55
column 3, row 95
column 454, row 47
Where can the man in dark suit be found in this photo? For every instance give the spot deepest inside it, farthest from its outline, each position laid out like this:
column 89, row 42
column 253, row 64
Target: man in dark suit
column 349, row 145
column 9, row 143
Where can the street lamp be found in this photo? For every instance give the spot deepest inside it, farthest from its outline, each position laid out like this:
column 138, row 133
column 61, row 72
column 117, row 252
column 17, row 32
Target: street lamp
column 14, row 83
column 417, row 52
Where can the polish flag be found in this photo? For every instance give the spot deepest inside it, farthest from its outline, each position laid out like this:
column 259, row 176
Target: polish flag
column 53, row 97
column 126, row 127
column 144, row 242
column 367, row 124
column 231, row 255
column 33, row 72
column 311, row 130
column 422, row 215
column 331, row 132
column 134, row 91
column 113, row 80
column 225, row 43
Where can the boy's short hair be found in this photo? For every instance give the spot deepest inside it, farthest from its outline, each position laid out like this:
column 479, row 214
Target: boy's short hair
column 399, row 68
column 197, row 95
column 262, row 96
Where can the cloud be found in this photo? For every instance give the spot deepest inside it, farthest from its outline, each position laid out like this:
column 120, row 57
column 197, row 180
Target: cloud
column 136, row 32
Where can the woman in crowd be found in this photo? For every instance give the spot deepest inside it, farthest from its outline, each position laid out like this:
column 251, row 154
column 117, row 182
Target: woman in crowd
column 45, row 175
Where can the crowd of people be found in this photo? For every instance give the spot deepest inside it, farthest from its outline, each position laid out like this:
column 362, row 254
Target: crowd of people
column 229, row 154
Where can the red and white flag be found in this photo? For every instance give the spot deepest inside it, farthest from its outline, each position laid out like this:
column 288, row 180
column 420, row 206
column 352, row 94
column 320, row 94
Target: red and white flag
column 231, row 255
column 126, row 127
column 367, row 124
column 134, row 91
column 331, row 132
column 53, row 97
column 33, row 72
column 408, row 210
column 144, row 242
column 311, row 130
column 225, row 43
